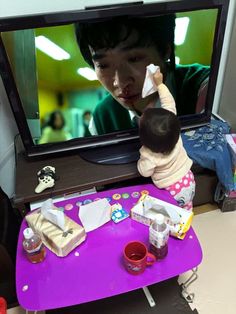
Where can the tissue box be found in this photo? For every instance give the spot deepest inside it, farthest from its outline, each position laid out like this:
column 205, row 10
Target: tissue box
column 58, row 241
column 178, row 219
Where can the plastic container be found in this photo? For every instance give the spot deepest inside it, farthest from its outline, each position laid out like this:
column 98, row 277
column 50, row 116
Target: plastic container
column 3, row 306
column 33, row 246
column 158, row 237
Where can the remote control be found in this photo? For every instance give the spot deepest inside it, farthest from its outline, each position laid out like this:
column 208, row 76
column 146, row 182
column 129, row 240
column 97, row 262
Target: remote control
column 46, row 178
column 45, row 182
column 48, row 171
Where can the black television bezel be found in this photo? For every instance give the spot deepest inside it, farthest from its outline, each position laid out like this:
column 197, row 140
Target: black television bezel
column 130, row 9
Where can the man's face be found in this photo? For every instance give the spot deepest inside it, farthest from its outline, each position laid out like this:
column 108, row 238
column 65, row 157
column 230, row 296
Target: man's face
column 122, row 69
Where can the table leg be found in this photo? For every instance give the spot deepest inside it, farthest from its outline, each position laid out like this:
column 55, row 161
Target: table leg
column 189, row 296
column 149, row 296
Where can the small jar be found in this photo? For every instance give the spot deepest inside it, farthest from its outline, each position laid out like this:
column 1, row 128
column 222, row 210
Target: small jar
column 158, row 237
column 33, row 246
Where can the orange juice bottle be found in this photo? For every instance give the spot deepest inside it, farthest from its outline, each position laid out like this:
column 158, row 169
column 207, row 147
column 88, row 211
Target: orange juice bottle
column 33, row 246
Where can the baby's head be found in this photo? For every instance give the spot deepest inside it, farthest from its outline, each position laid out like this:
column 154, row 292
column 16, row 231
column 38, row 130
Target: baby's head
column 159, row 130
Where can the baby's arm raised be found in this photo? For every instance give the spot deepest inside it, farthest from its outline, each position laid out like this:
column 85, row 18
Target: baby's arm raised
column 166, row 98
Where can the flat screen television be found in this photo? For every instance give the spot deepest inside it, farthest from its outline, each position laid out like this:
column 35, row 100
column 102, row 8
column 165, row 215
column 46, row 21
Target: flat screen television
column 37, row 85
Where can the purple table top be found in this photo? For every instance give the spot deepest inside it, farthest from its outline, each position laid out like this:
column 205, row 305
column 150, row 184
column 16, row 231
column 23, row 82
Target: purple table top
column 94, row 270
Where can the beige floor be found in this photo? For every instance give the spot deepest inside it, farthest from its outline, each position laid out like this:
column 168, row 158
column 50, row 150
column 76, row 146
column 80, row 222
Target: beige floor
column 214, row 289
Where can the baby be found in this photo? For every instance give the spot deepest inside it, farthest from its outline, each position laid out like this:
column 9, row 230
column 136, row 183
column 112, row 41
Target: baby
column 162, row 156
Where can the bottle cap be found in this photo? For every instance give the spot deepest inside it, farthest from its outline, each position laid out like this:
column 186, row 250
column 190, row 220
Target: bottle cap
column 159, row 219
column 28, row 233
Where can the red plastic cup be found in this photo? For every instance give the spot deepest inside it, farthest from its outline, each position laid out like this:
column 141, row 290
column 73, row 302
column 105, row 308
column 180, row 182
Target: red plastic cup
column 3, row 306
column 136, row 257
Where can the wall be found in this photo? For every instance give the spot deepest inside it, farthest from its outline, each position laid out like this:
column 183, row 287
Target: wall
column 227, row 68
column 8, row 130
column 19, row 7
column 7, row 125
column 227, row 106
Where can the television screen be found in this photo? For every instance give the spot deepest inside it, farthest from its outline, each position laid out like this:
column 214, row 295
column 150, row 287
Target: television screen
column 72, row 90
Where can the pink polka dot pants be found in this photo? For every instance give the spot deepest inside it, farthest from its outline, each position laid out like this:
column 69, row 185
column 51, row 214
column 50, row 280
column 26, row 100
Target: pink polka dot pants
column 183, row 191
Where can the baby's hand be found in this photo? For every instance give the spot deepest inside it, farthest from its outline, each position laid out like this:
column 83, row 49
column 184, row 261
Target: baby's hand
column 158, row 77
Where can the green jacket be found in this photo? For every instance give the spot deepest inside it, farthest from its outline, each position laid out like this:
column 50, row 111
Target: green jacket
column 110, row 116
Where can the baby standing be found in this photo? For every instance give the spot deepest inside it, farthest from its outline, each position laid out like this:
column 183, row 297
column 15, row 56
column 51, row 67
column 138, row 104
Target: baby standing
column 162, row 155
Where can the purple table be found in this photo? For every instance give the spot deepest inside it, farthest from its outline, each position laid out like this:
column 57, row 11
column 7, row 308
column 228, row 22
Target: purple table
column 94, row 269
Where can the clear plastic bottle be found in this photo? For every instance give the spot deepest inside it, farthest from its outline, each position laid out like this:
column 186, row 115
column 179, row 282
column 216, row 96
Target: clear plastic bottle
column 158, row 237
column 33, row 246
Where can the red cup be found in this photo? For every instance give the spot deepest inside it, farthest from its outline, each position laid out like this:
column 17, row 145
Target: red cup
column 136, row 257
column 3, row 306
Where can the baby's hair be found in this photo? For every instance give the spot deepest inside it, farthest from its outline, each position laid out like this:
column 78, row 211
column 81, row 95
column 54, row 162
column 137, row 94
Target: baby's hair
column 159, row 130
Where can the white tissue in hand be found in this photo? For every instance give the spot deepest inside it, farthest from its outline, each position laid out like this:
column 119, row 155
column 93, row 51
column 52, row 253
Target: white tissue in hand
column 51, row 213
column 149, row 86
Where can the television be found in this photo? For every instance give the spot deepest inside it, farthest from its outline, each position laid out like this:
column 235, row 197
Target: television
column 37, row 85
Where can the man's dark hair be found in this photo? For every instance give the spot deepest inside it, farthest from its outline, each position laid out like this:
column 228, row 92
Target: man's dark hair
column 159, row 130
column 157, row 31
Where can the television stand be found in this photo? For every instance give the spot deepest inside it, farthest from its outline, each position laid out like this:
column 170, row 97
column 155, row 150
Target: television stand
column 75, row 175
column 113, row 154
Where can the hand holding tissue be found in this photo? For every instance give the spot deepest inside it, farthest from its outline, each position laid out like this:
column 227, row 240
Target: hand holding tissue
column 149, row 86
column 59, row 233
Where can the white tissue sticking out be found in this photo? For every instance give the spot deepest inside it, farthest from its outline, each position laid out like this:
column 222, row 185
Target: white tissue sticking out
column 149, row 204
column 149, row 87
column 51, row 213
